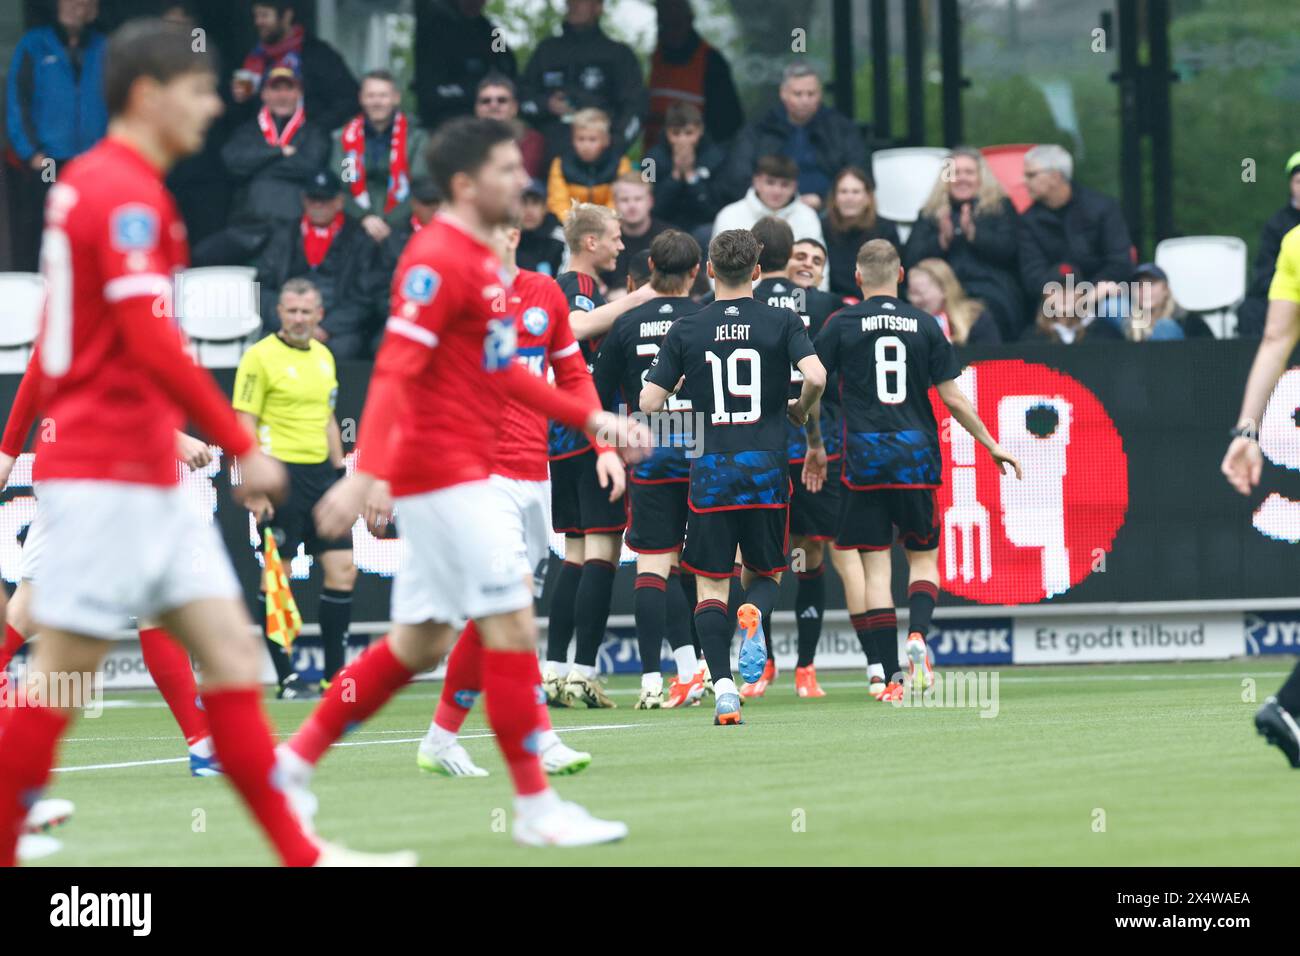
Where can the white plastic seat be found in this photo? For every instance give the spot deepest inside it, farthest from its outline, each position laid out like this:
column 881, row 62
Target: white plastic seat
column 1206, row 274
column 22, row 297
column 904, row 178
column 219, row 311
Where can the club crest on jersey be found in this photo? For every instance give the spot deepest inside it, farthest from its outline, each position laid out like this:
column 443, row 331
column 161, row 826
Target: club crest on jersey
column 420, row 284
column 134, row 228
column 731, row 310
column 583, row 303
column 536, row 320
column 499, row 344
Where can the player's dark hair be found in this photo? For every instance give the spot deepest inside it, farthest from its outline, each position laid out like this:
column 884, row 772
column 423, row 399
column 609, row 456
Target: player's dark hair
column 638, row 267
column 734, row 253
column 777, row 239
column 462, row 145
column 675, row 254
column 878, row 263
column 154, row 48
column 776, row 166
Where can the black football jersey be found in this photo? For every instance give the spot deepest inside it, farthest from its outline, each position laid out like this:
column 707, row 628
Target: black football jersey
column 735, row 355
column 584, row 295
column 888, row 354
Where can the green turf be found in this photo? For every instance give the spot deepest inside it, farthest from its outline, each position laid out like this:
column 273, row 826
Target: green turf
column 1167, row 752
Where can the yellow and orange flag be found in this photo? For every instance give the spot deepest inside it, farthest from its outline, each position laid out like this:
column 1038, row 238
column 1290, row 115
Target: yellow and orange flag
column 283, row 621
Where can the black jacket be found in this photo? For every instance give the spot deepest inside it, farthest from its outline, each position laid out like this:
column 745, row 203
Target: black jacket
column 542, row 249
column 350, row 278
column 842, row 252
column 328, row 86
column 268, row 184
column 1087, row 237
column 987, row 267
column 835, row 139
column 592, row 70
column 452, row 54
column 1254, row 310
column 689, row 205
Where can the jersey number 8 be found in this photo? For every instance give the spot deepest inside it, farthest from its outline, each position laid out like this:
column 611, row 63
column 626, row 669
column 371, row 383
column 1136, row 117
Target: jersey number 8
column 891, row 358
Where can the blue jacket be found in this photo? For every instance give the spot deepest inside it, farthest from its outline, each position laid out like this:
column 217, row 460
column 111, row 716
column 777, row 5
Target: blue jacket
column 48, row 108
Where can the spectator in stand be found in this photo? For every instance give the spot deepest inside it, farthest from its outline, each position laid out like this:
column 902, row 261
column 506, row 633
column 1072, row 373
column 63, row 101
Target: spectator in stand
column 378, row 153
column 426, row 199
column 1071, row 230
column 335, row 253
column 969, row 222
column 773, row 192
column 850, row 220
column 586, row 170
column 496, row 98
column 579, row 69
column 634, row 201
column 686, row 70
column 1155, row 315
column 820, row 140
column 933, row 286
column 1250, row 317
column 1067, row 315
column 272, row 156
column 456, row 46
column 54, row 111
column 329, row 86
column 688, row 167
column 542, row 247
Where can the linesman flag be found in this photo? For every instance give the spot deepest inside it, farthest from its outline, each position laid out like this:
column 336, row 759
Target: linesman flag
column 283, row 621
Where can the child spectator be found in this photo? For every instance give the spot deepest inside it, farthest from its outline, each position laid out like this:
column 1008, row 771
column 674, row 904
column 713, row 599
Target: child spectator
column 774, row 192
column 687, row 166
column 585, row 171
column 541, row 237
column 1155, row 315
column 933, row 286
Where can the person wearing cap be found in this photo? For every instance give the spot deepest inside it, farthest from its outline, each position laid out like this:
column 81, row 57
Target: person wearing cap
column 1250, row 317
column 271, row 157
column 286, row 389
column 497, row 98
column 378, row 153
column 342, row 261
column 1154, row 315
column 541, row 237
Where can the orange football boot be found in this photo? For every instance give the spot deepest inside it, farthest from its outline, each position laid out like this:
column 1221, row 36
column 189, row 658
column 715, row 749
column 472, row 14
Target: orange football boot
column 805, row 682
column 685, row 693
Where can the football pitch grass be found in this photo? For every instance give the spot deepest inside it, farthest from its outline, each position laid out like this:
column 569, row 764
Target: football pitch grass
column 1089, row 765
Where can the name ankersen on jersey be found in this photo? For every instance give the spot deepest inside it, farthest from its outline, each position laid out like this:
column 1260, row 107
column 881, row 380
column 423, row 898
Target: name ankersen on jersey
column 891, row 323
column 654, row 330
column 731, row 333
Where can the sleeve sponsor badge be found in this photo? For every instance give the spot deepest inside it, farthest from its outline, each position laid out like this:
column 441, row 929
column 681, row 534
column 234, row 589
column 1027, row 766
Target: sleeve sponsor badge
column 420, row 285
column 583, row 303
column 134, row 228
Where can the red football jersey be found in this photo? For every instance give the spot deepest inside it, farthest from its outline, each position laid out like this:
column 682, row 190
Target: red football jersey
column 115, row 378
column 544, row 341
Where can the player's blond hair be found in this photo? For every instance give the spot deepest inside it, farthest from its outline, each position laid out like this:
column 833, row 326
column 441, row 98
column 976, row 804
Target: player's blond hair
column 877, row 263
column 586, row 219
column 591, row 118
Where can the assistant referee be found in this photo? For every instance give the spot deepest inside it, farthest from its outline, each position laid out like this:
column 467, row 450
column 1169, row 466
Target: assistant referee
column 285, row 391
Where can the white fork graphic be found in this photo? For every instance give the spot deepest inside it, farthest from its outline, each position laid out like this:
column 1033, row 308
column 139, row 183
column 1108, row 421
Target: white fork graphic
column 966, row 515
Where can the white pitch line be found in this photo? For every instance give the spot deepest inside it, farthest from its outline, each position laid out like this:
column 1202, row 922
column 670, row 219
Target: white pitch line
column 343, row 743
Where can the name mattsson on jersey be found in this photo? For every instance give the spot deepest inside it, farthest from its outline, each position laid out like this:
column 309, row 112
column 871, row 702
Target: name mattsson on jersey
column 889, row 323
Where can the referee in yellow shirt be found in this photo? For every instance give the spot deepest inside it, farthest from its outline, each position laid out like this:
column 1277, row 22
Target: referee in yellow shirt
column 1277, row 720
column 285, row 391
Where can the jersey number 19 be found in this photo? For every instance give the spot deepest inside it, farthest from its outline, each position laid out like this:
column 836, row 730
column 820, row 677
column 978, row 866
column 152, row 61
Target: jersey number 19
column 750, row 389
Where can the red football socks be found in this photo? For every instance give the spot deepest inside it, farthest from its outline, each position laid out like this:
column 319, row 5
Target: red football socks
column 511, row 689
column 242, row 740
column 169, row 665
column 356, row 692
column 29, row 741
column 13, row 641
column 464, row 680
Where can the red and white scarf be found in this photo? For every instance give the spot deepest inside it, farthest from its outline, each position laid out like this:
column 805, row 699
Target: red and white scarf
column 399, row 174
column 316, row 241
column 285, row 136
column 288, row 52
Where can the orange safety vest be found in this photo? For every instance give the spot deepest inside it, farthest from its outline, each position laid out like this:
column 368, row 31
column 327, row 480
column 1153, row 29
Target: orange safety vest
column 671, row 83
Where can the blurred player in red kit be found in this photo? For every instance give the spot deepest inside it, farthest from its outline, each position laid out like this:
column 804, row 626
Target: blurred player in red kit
column 121, row 539
column 446, row 365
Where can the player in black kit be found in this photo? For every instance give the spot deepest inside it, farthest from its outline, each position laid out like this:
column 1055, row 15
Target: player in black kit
column 732, row 361
column 657, row 487
column 813, row 515
column 888, row 354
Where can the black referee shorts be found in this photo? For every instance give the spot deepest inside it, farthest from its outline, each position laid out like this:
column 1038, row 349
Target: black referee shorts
column 815, row 516
column 713, row 536
column 293, row 523
column 868, row 519
column 578, row 504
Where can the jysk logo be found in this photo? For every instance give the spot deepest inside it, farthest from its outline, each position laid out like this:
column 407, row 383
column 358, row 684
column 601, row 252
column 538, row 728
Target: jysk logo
column 972, row 641
column 420, row 285
column 499, row 344
column 1272, row 632
column 536, row 320
column 134, row 228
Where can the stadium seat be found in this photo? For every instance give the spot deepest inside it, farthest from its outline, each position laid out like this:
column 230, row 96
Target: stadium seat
column 23, row 295
column 904, row 178
column 1008, row 165
column 1207, row 274
column 218, row 309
